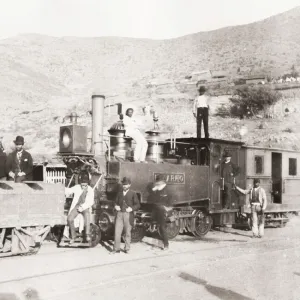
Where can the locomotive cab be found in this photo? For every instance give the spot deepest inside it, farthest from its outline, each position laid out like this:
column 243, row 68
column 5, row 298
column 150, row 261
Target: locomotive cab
column 224, row 200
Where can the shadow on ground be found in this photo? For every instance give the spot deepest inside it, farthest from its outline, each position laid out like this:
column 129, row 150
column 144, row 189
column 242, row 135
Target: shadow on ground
column 29, row 294
column 221, row 293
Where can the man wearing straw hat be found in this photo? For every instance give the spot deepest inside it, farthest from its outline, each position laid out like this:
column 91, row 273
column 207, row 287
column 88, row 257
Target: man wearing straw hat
column 82, row 202
column 19, row 163
column 258, row 204
column 162, row 204
column 200, row 111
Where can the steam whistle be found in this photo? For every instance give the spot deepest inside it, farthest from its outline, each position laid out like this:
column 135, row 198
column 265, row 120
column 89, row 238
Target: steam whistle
column 72, row 117
column 155, row 121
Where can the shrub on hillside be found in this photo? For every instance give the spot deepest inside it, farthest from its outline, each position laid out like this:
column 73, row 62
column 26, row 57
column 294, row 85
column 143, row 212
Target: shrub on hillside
column 251, row 101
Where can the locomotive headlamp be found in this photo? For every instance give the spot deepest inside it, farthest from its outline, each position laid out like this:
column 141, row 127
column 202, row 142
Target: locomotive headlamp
column 66, row 138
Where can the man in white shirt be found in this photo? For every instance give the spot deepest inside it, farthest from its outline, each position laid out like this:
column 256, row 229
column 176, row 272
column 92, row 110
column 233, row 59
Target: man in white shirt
column 82, row 202
column 200, row 111
column 132, row 129
column 258, row 204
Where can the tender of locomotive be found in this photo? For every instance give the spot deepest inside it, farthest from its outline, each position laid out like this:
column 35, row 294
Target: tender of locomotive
column 28, row 211
column 192, row 170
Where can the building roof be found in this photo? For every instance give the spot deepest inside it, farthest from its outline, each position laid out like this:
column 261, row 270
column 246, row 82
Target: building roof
column 255, row 76
column 218, row 74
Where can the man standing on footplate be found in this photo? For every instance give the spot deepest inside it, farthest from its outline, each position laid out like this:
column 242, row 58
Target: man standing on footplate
column 258, row 204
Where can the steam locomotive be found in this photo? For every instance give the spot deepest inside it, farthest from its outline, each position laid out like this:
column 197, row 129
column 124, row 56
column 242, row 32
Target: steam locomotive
column 32, row 211
column 191, row 168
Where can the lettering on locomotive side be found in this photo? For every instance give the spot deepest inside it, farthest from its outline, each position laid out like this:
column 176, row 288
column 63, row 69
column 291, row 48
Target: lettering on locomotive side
column 172, row 178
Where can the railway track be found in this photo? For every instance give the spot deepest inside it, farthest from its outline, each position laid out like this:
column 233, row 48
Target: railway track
column 241, row 245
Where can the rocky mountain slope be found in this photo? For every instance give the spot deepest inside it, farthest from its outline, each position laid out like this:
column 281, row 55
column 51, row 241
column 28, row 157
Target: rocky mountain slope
column 43, row 78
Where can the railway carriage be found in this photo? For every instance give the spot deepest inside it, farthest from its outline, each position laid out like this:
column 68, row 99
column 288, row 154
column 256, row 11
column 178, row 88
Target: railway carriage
column 278, row 171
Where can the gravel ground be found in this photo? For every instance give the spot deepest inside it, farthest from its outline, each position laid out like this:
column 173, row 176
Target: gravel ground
column 223, row 265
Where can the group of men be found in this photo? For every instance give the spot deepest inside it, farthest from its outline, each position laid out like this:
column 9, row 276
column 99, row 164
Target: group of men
column 18, row 165
column 125, row 205
column 257, row 195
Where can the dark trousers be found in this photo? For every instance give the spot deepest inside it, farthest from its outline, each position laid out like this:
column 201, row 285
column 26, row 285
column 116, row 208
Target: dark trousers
column 227, row 195
column 159, row 215
column 202, row 115
column 71, row 217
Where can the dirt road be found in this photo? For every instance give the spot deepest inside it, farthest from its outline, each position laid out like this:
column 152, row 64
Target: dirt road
column 220, row 266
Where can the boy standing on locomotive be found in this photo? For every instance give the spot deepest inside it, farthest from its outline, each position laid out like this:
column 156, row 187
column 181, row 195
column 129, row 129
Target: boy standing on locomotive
column 162, row 204
column 258, row 204
column 82, row 202
column 19, row 163
column 201, row 111
column 126, row 203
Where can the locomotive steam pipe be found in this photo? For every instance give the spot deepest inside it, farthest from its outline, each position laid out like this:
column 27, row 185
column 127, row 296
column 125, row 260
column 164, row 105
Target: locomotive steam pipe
column 97, row 124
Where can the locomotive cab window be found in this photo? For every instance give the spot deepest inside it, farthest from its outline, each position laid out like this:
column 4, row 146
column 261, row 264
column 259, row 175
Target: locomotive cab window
column 259, row 164
column 293, row 166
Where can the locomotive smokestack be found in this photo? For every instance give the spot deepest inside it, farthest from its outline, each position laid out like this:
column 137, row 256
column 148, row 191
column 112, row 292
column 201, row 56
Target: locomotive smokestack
column 97, row 124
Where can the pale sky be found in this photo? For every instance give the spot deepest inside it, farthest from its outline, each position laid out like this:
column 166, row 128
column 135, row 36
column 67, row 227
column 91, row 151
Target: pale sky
column 155, row 19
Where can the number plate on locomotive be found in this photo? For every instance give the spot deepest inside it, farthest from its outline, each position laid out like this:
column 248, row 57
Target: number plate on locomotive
column 172, row 178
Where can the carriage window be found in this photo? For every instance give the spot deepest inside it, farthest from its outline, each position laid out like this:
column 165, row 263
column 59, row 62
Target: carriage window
column 293, row 166
column 259, row 164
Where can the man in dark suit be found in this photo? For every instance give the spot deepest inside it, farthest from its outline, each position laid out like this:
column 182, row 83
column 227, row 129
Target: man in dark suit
column 162, row 203
column 126, row 203
column 19, row 163
column 228, row 172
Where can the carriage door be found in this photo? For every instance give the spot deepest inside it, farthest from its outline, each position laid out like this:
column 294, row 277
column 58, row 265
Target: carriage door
column 277, row 177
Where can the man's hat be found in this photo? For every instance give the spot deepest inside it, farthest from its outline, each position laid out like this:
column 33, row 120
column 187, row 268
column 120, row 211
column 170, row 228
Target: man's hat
column 159, row 179
column 202, row 89
column 256, row 180
column 227, row 154
column 19, row 140
column 126, row 180
column 84, row 178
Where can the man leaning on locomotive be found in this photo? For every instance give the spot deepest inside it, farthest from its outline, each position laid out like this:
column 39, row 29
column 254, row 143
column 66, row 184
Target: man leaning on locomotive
column 258, row 204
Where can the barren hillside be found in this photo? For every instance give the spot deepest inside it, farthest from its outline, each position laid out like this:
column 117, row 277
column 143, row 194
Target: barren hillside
column 44, row 78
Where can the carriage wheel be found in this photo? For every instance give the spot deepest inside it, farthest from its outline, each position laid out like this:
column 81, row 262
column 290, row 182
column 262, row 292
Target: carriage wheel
column 22, row 240
column 95, row 235
column 203, row 224
column 172, row 230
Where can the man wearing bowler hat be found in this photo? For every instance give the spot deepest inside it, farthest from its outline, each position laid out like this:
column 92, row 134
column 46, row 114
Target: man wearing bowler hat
column 126, row 203
column 258, row 204
column 228, row 172
column 82, row 202
column 162, row 201
column 19, row 163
